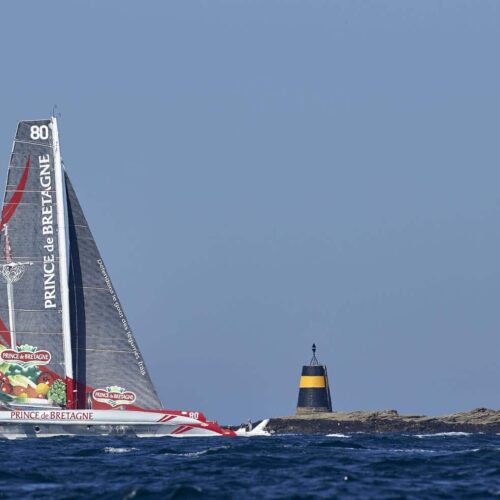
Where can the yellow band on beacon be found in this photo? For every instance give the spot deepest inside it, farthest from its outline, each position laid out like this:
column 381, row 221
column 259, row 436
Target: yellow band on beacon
column 307, row 381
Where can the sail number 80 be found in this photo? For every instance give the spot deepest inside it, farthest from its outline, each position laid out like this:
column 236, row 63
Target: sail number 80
column 38, row 132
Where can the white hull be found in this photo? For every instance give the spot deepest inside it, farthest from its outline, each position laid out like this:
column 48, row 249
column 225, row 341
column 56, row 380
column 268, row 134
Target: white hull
column 16, row 424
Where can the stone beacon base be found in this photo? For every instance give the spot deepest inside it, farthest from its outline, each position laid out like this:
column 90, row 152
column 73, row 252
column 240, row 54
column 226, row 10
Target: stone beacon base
column 311, row 411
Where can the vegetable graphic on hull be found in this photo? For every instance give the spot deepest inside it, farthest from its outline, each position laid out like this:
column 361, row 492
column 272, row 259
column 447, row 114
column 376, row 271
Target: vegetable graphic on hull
column 57, row 392
column 21, row 379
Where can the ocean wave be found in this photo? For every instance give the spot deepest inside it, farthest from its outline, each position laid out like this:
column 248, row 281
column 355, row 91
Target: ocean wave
column 413, row 450
column 444, row 434
column 278, row 467
column 199, row 452
column 337, row 436
column 193, row 453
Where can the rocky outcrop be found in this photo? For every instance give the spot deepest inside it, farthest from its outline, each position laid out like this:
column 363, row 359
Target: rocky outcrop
column 478, row 420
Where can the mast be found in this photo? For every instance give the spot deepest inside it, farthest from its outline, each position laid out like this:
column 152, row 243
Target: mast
column 63, row 264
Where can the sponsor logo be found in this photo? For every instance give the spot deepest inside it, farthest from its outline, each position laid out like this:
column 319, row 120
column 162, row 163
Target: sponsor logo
column 114, row 396
column 25, row 356
column 51, row 415
column 49, row 231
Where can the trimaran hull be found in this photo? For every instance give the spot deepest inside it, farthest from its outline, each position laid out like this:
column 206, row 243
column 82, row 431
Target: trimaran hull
column 18, row 424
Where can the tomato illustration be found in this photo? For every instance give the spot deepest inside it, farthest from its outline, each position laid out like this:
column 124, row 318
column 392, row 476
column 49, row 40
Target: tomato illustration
column 45, row 378
column 18, row 390
column 6, row 388
column 31, row 392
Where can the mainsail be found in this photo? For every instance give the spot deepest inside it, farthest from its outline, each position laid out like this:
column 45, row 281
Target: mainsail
column 32, row 342
column 108, row 366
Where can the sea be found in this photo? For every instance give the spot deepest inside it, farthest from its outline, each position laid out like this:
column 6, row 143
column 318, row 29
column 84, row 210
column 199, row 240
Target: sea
column 449, row 465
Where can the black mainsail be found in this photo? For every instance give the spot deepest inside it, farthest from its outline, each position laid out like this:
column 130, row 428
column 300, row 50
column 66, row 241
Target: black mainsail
column 105, row 352
column 32, row 318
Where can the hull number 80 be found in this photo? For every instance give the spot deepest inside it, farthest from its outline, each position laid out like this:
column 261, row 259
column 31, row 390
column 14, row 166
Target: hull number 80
column 39, row 132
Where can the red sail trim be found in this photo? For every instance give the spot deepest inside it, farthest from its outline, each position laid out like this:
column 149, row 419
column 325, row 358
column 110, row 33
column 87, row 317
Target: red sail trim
column 10, row 207
column 4, row 332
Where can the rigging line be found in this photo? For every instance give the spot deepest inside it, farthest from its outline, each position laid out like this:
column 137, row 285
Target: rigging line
column 58, row 115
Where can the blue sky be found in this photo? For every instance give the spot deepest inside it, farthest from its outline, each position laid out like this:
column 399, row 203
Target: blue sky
column 264, row 175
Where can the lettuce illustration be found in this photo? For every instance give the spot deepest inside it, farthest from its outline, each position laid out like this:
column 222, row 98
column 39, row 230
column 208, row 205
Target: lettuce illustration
column 32, row 372
column 21, row 380
column 57, row 392
column 26, row 348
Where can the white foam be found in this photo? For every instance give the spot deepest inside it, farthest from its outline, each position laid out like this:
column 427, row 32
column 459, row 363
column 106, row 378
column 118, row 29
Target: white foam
column 338, row 436
column 110, row 449
column 444, row 434
column 259, row 430
column 414, row 450
column 194, row 453
column 198, row 453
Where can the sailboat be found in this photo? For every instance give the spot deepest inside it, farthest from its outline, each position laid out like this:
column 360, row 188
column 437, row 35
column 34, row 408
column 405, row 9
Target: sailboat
column 69, row 361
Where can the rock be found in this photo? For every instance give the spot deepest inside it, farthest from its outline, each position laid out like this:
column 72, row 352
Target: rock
column 478, row 420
